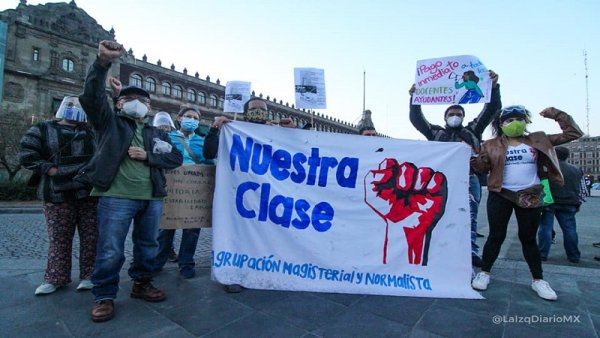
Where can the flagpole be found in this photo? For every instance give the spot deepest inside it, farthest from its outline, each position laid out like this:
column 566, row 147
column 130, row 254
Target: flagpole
column 364, row 88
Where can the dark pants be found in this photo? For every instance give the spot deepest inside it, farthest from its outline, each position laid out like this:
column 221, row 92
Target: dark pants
column 189, row 241
column 499, row 211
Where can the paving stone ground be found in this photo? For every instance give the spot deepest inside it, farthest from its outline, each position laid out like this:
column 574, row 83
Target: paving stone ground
column 199, row 307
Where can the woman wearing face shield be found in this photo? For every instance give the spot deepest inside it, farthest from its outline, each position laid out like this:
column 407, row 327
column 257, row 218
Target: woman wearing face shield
column 516, row 161
column 56, row 150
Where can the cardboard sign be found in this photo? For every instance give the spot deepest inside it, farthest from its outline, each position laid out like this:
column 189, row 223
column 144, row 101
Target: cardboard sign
column 190, row 191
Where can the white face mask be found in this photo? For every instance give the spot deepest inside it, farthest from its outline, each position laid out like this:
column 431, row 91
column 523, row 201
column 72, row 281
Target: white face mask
column 135, row 109
column 454, row 121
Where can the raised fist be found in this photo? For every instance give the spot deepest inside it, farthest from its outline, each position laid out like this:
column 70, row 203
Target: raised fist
column 108, row 51
column 115, row 86
column 415, row 197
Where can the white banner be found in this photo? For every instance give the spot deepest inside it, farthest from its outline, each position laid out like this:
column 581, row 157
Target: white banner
column 450, row 80
column 316, row 211
column 236, row 95
column 309, row 86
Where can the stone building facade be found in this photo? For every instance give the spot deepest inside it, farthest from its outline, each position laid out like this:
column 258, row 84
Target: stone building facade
column 585, row 153
column 51, row 46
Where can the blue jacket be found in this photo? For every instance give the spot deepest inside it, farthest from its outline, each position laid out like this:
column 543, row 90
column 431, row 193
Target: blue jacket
column 196, row 144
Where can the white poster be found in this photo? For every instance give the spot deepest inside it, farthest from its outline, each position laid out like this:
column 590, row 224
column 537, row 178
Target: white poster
column 236, row 95
column 309, row 86
column 462, row 79
column 315, row 211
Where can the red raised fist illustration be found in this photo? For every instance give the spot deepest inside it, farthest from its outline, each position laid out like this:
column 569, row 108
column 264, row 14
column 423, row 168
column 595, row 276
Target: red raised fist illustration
column 414, row 197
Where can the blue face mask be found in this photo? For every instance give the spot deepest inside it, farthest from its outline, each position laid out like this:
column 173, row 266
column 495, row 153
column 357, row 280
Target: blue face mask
column 188, row 124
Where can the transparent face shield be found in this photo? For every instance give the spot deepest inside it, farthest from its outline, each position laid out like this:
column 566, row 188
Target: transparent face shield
column 71, row 110
column 163, row 120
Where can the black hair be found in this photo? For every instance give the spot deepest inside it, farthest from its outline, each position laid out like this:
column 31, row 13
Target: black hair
column 186, row 109
column 562, row 153
column 365, row 128
column 255, row 98
column 454, row 106
column 472, row 75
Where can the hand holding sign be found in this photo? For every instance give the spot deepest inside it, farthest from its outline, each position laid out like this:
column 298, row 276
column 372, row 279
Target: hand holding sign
column 416, row 197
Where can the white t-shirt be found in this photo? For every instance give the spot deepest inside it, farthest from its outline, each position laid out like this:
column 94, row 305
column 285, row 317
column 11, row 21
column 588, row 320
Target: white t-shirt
column 520, row 168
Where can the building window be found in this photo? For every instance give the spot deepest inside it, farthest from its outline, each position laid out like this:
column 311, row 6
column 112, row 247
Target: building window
column 135, row 80
column 35, row 55
column 177, row 91
column 191, row 95
column 150, row 85
column 212, row 100
column 166, row 88
column 201, row 98
column 68, row 65
column 220, row 102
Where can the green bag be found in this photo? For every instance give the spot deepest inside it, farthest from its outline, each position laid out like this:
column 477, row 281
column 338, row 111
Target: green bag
column 547, row 194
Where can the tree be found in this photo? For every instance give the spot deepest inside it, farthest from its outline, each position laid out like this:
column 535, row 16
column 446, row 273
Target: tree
column 13, row 127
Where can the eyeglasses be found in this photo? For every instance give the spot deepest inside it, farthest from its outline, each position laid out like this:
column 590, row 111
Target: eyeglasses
column 144, row 100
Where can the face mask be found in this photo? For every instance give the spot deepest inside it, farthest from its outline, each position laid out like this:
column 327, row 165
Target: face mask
column 454, row 121
column 256, row 116
column 135, row 109
column 188, row 124
column 514, row 129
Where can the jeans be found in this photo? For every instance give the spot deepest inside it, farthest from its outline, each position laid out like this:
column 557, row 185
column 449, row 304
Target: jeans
column 499, row 211
column 189, row 241
column 114, row 218
column 474, row 199
column 565, row 214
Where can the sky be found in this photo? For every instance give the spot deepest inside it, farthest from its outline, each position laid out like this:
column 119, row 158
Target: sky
column 535, row 46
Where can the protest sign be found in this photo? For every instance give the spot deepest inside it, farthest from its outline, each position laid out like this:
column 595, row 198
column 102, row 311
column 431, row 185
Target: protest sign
column 451, row 80
column 190, row 191
column 326, row 212
column 309, row 86
column 236, row 95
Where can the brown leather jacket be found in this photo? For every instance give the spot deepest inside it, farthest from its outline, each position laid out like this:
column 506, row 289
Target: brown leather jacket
column 493, row 153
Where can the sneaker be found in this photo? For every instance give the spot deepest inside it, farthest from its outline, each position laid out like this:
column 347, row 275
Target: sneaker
column 476, row 261
column 187, row 272
column 146, row 291
column 103, row 310
column 45, row 289
column 233, row 288
column 172, row 256
column 481, row 281
column 543, row 289
column 85, row 284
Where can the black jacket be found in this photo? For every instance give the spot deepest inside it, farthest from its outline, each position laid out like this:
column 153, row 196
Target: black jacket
column 471, row 133
column 569, row 193
column 113, row 136
column 211, row 144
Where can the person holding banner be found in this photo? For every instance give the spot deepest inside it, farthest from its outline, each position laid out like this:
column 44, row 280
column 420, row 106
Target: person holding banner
column 255, row 111
column 127, row 173
column 190, row 145
column 455, row 131
column 516, row 161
